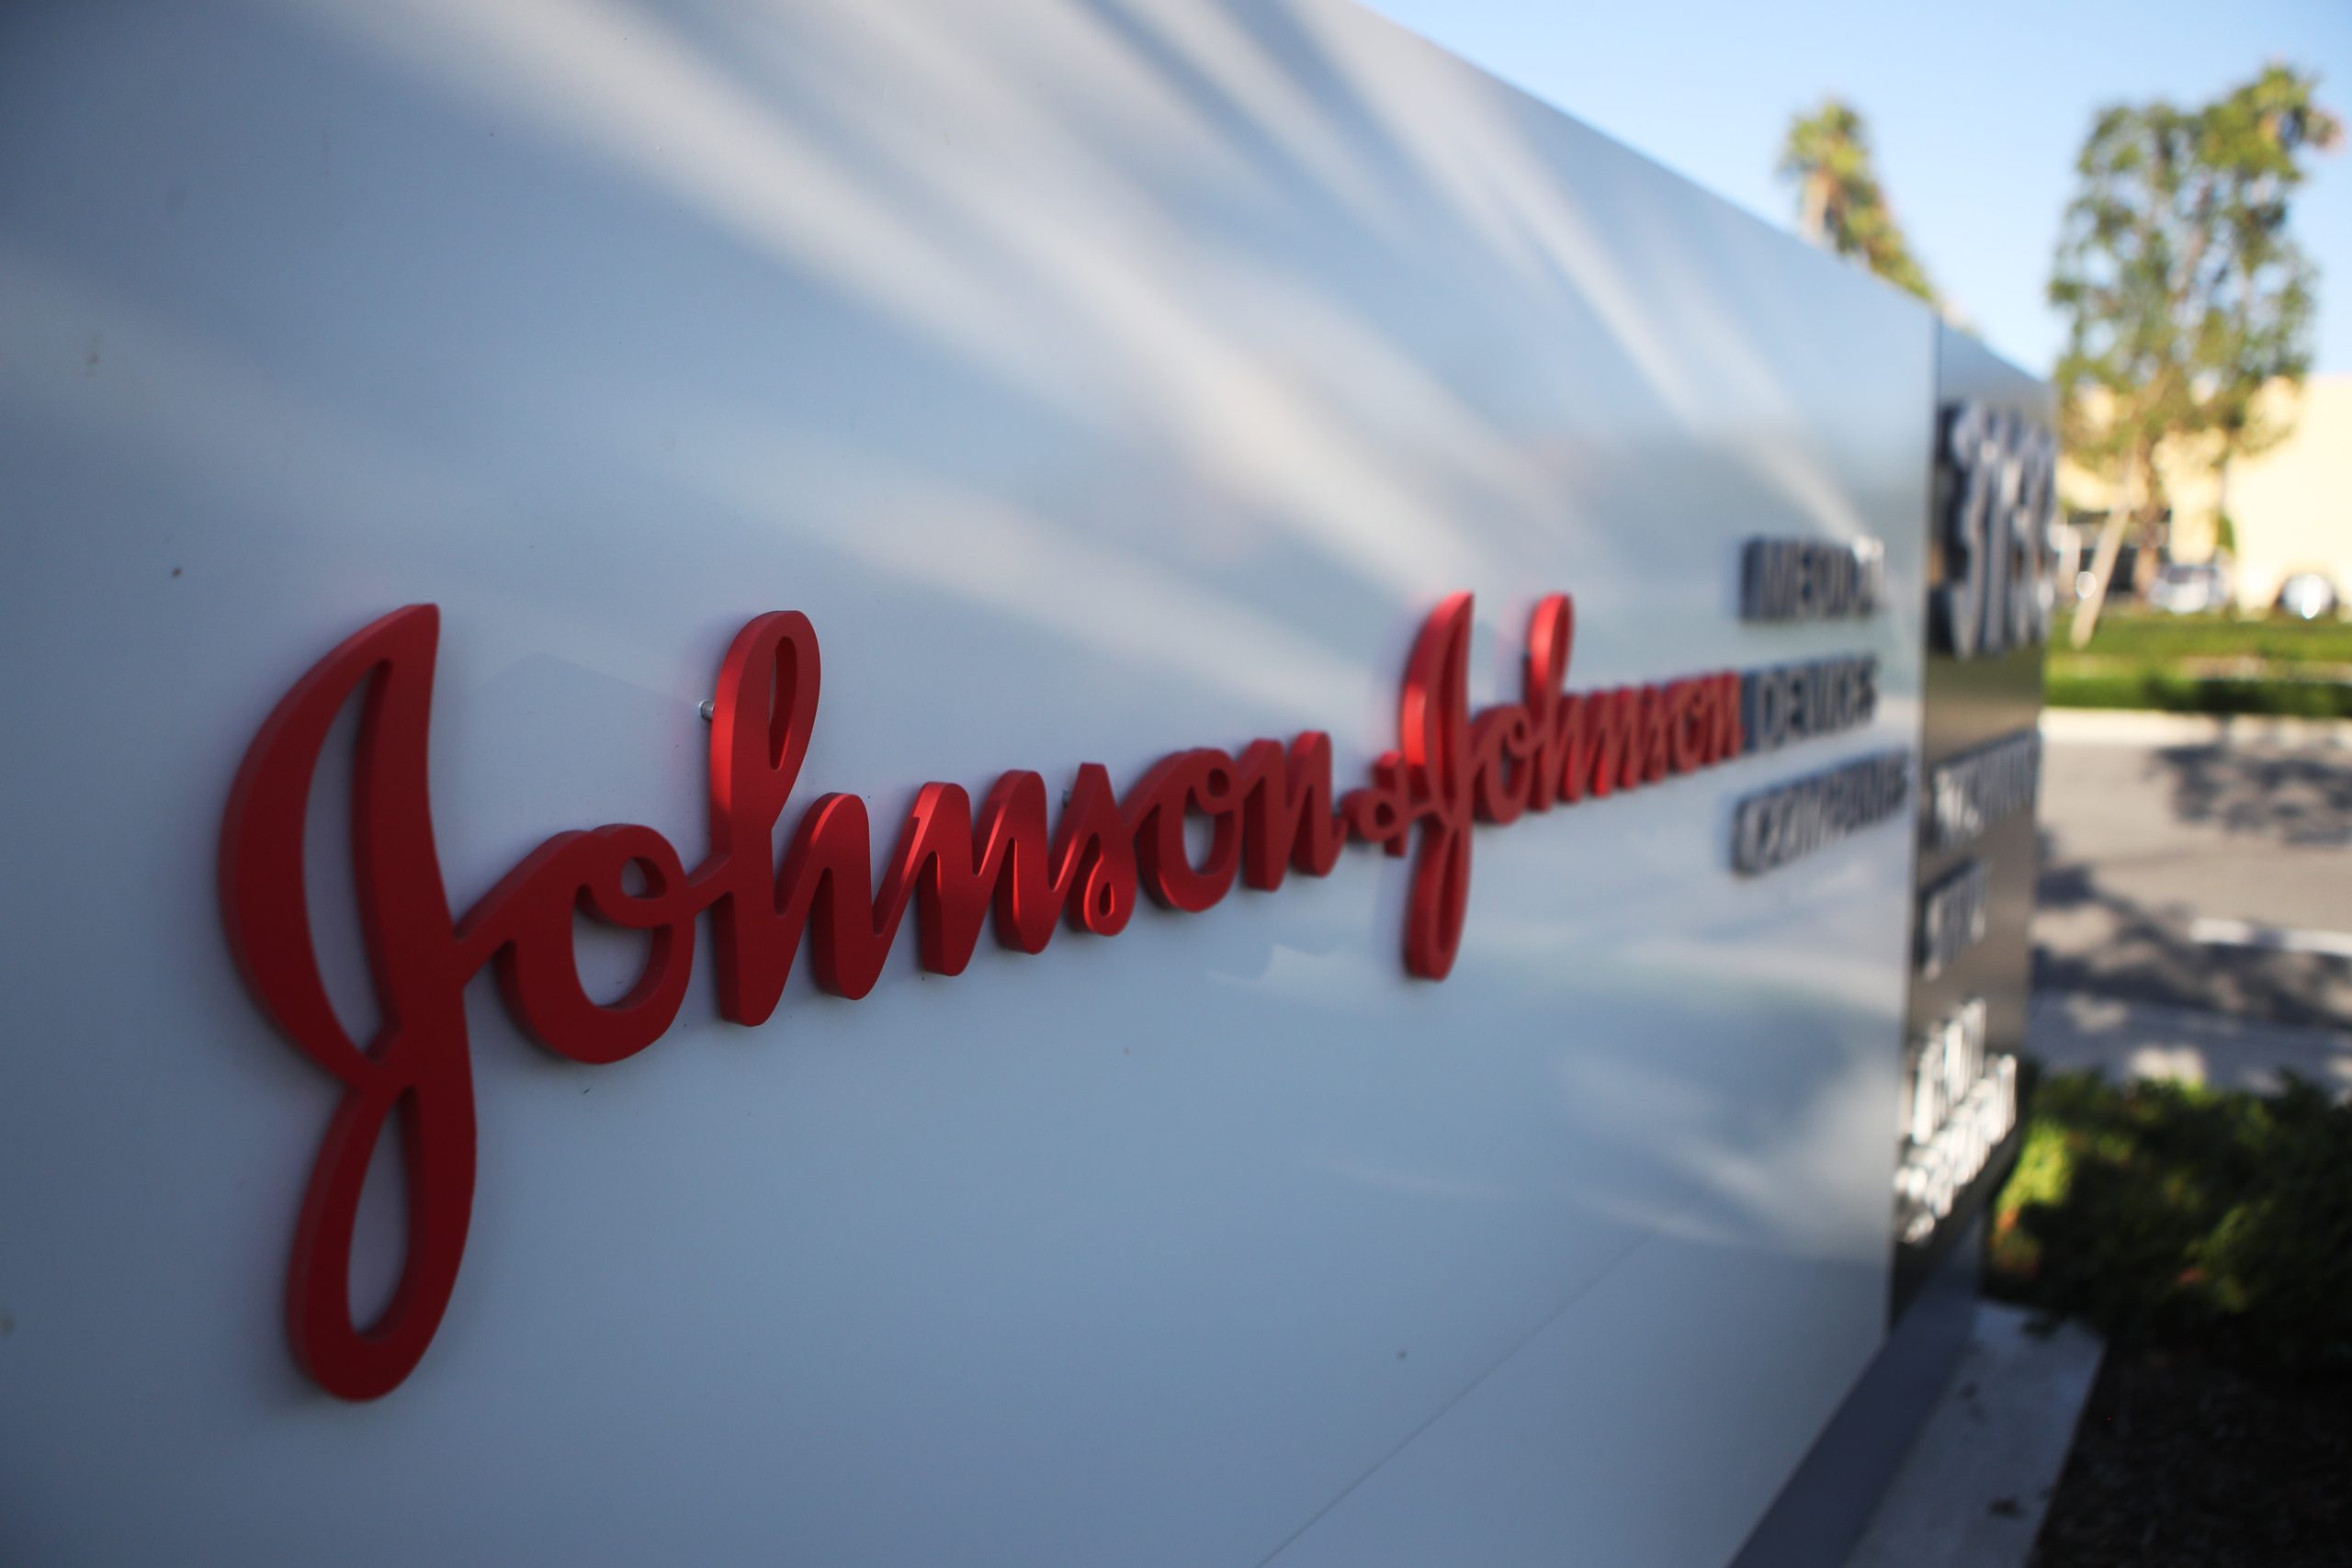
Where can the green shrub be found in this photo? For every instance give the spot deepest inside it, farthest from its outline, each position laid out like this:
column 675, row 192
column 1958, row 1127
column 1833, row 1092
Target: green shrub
column 2101, row 684
column 2167, row 1212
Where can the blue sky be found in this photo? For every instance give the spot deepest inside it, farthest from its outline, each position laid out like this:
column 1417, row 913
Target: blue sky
column 1976, row 112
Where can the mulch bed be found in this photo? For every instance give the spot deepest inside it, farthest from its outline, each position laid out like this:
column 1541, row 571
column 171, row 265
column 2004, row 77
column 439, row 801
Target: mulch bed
column 2180, row 1461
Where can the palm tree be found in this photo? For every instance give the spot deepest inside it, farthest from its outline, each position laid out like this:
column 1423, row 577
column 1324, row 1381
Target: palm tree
column 1840, row 205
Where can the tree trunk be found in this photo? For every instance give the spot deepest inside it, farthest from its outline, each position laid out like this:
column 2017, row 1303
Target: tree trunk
column 1813, row 222
column 2110, row 540
column 2225, row 532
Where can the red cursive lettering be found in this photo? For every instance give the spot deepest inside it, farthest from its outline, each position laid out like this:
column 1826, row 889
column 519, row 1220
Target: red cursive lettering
column 1271, row 810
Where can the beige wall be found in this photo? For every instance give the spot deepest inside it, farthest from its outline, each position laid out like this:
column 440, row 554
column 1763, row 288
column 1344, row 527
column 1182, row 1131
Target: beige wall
column 2291, row 505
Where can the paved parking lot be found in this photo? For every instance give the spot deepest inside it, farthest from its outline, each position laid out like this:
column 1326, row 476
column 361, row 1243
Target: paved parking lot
column 2196, row 893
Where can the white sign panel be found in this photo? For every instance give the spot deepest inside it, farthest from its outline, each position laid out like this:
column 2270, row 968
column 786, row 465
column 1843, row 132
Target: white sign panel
column 1121, row 385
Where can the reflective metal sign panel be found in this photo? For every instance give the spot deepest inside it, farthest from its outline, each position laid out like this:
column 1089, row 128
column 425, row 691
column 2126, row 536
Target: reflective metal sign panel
column 1978, row 858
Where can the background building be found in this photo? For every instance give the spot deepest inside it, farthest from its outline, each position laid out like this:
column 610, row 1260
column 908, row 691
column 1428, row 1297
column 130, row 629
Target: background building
column 2289, row 508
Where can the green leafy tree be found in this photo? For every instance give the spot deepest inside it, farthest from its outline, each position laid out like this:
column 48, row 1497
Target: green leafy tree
column 1840, row 204
column 2185, row 295
column 2260, row 329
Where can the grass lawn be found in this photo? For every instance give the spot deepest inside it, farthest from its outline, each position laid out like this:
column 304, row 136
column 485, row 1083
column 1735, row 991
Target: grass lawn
column 2204, row 664
column 2142, row 636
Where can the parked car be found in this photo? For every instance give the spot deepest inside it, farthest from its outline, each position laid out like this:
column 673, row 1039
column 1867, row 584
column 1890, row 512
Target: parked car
column 2188, row 590
column 2307, row 596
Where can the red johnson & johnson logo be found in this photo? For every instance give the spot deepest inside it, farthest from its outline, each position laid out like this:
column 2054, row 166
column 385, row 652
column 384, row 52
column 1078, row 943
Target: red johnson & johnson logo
column 1007, row 861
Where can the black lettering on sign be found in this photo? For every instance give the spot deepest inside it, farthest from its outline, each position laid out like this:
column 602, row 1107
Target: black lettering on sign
column 1811, row 580
column 1995, row 480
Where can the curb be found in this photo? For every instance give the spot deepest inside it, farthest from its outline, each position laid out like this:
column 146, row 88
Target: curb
column 1979, row 1478
column 2072, row 1031
column 2140, row 726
